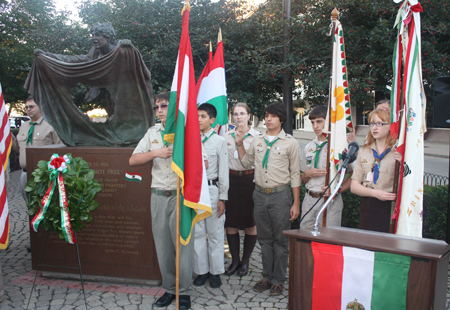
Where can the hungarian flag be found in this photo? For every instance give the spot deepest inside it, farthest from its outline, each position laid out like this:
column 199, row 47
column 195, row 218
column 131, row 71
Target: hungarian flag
column 211, row 86
column 5, row 149
column 409, row 206
column 351, row 278
column 182, row 129
column 133, row 176
column 341, row 115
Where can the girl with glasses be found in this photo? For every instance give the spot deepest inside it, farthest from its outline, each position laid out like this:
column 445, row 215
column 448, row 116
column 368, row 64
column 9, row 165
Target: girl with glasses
column 373, row 176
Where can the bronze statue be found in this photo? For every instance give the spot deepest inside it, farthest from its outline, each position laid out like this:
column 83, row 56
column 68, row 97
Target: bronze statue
column 114, row 66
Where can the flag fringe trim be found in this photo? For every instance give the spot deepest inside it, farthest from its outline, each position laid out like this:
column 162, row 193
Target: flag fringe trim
column 5, row 245
column 5, row 166
column 170, row 137
column 193, row 205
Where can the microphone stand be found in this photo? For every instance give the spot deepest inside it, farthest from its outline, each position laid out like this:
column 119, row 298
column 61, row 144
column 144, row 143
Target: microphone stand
column 316, row 232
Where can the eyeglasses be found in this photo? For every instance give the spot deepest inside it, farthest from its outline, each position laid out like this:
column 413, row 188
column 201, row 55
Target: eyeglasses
column 378, row 124
column 162, row 107
column 29, row 107
column 241, row 114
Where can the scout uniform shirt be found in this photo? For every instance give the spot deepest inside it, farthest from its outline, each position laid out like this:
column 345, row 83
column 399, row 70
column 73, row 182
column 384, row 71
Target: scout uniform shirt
column 307, row 162
column 234, row 162
column 363, row 169
column 283, row 165
column 163, row 177
column 215, row 147
column 43, row 134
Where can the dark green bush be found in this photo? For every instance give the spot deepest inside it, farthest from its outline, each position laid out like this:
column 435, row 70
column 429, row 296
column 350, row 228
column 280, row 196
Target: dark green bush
column 435, row 202
column 350, row 213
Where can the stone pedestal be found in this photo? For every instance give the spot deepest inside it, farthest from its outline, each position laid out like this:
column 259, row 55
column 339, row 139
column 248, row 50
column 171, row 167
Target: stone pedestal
column 119, row 241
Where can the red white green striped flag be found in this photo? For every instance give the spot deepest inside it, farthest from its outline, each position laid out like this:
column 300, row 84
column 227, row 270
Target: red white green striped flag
column 409, row 206
column 182, row 129
column 133, row 176
column 341, row 115
column 211, row 86
column 5, row 149
column 351, row 278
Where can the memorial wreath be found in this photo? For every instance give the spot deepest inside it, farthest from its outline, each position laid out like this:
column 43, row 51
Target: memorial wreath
column 66, row 211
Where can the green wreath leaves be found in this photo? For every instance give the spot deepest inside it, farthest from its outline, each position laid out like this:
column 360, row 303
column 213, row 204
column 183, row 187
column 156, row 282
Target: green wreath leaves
column 81, row 190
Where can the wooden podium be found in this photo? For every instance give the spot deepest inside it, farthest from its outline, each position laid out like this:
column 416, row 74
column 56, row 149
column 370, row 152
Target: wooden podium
column 427, row 281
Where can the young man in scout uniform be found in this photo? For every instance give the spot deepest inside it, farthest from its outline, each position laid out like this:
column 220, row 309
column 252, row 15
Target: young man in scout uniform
column 275, row 156
column 36, row 132
column 152, row 147
column 209, row 233
column 313, row 166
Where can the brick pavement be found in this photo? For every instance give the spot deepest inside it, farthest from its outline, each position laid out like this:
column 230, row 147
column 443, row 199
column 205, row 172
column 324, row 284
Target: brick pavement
column 235, row 293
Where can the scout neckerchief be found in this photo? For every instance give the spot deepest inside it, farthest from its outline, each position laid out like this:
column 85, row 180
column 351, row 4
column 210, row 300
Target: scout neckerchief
column 207, row 137
column 234, row 137
column 266, row 156
column 317, row 151
column 30, row 133
column 166, row 144
column 376, row 163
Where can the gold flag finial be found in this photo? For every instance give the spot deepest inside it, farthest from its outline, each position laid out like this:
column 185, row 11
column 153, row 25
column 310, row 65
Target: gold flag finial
column 186, row 7
column 210, row 46
column 334, row 14
column 219, row 36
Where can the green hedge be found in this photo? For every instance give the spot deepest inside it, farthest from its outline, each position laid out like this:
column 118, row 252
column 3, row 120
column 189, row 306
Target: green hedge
column 435, row 211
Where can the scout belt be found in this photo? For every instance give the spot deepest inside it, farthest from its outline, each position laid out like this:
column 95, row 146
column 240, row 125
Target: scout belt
column 313, row 194
column 164, row 193
column 271, row 190
column 240, row 173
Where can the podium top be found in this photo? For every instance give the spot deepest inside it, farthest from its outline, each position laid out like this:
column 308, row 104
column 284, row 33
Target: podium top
column 375, row 241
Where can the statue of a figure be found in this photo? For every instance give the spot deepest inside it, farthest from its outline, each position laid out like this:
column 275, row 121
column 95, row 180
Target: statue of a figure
column 114, row 66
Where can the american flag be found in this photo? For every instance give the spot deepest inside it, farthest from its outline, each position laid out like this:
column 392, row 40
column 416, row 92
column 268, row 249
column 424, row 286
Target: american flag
column 5, row 149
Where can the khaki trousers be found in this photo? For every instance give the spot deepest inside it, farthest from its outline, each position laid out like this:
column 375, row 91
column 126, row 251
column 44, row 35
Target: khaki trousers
column 272, row 214
column 164, row 215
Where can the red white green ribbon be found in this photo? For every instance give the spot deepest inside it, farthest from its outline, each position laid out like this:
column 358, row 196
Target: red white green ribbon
column 57, row 167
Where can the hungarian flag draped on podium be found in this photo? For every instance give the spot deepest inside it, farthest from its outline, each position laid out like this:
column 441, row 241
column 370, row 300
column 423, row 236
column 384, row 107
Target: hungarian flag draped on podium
column 409, row 207
column 5, row 149
column 211, row 86
column 341, row 116
column 182, row 129
column 352, row 278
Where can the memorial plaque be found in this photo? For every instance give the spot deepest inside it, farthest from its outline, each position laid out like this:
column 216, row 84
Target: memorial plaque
column 119, row 240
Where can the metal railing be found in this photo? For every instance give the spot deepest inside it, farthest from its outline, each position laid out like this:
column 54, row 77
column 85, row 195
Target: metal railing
column 430, row 179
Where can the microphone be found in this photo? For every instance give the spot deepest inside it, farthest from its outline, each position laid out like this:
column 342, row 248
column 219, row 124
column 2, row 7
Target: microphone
column 351, row 154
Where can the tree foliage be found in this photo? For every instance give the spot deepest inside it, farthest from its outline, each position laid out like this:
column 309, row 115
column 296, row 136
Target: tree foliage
column 253, row 43
column 26, row 25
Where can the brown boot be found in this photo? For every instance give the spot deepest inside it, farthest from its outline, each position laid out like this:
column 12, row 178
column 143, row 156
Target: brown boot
column 249, row 245
column 234, row 244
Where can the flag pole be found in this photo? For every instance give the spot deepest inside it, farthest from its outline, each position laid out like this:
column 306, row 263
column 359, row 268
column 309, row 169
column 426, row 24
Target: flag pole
column 334, row 16
column 177, row 257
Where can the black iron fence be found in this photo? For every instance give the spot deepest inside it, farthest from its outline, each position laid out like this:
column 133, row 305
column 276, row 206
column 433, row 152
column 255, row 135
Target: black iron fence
column 430, row 179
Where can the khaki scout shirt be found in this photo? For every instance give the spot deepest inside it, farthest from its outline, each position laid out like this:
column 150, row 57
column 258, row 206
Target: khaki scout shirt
column 216, row 149
column 364, row 164
column 284, row 161
column 163, row 177
column 307, row 162
column 234, row 162
column 43, row 134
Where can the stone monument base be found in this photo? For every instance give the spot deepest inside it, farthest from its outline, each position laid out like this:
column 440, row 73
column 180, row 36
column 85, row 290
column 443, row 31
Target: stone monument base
column 118, row 243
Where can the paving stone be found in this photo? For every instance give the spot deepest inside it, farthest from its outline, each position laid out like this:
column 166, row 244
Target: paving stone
column 235, row 292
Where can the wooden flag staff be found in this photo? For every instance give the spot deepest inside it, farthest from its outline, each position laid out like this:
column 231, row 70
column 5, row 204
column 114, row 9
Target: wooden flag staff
column 177, row 244
column 334, row 16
